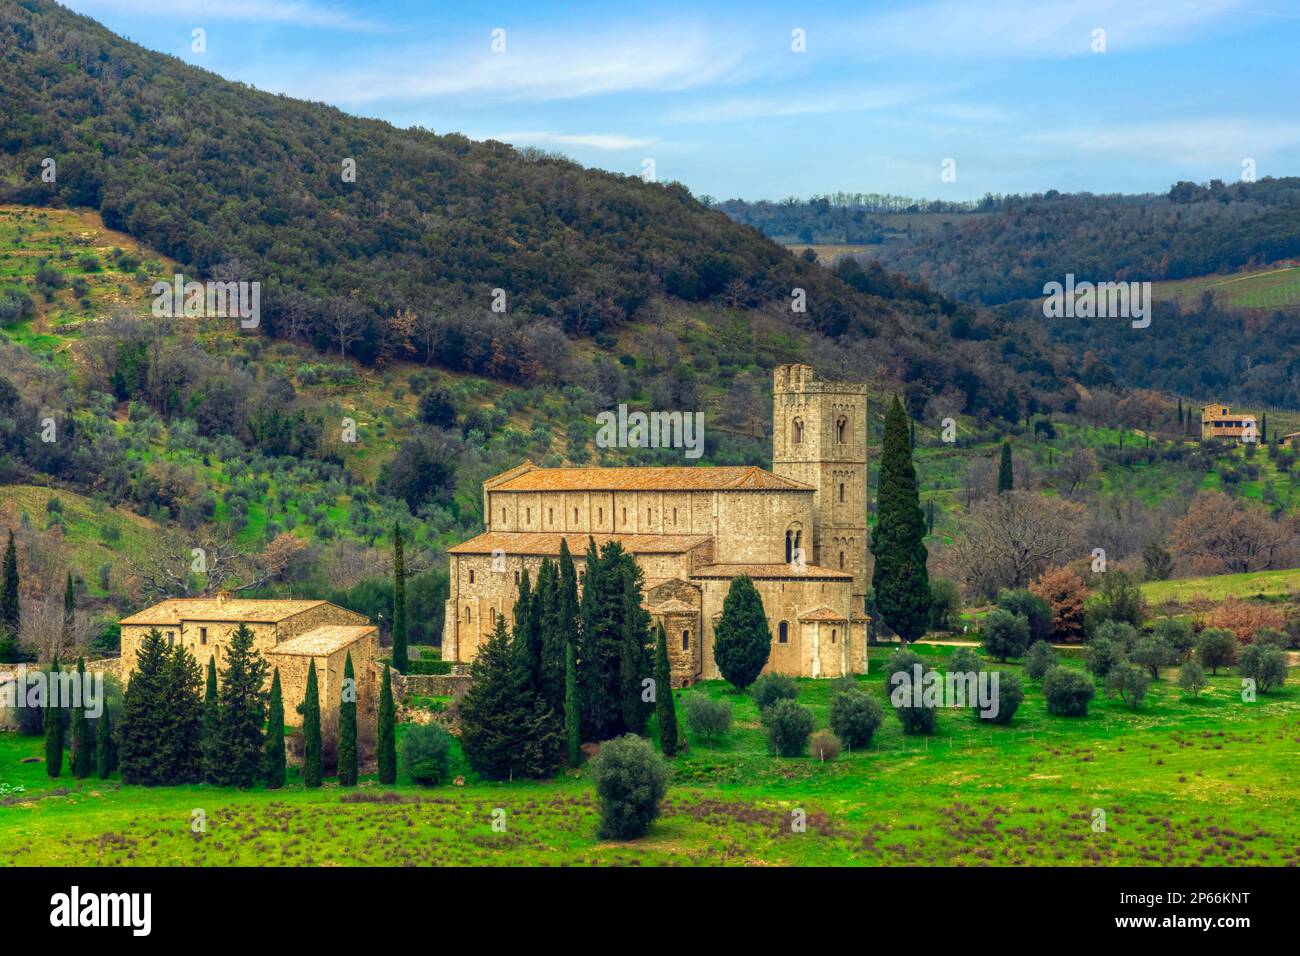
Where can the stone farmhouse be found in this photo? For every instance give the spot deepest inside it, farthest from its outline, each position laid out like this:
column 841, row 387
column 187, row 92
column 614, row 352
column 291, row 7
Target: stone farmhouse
column 799, row 531
column 289, row 634
column 1220, row 421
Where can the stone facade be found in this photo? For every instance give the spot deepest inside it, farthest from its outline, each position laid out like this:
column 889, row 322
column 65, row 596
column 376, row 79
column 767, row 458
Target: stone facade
column 288, row 633
column 799, row 531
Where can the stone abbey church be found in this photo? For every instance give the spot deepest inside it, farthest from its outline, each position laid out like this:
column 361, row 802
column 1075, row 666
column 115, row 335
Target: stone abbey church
column 799, row 531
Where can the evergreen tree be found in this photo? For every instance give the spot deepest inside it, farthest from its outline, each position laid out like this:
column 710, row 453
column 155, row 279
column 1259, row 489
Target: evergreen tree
column 572, row 716
column 68, row 634
column 665, row 706
column 54, row 723
column 211, row 724
column 10, row 612
column 598, row 656
column 528, row 632
column 348, row 727
column 83, row 746
column 1006, row 478
column 105, row 750
column 900, row 581
column 240, row 746
column 929, row 516
column 399, row 601
column 1263, row 428
column 310, row 710
column 554, row 634
column 1180, row 413
column 633, row 661
column 273, row 754
column 161, row 734
column 742, row 640
column 387, row 736
column 182, row 749
column 506, row 729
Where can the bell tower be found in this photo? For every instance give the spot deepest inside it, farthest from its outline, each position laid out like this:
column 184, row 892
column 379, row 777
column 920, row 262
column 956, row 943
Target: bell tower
column 819, row 437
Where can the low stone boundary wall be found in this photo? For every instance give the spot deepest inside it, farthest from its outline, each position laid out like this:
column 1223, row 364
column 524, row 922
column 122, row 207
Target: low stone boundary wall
column 429, row 685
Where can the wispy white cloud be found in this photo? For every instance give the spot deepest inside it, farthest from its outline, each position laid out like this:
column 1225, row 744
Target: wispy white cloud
column 289, row 12
column 1039, row 28
column 1220, row 141
column 809, row 103
column 534, row 67
column 589, row 140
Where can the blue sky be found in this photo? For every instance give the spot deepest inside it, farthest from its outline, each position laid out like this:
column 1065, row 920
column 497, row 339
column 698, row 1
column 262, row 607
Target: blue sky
column 884, row 93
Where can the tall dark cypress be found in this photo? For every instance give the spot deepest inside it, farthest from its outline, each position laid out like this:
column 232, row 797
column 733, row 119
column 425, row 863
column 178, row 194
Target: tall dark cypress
column 527, row 632
column 211, row 724
column 603, row 672
column 554, row 635
column 181, row 749
column 665, row 706
column 54, row 705
column 105, row 749
column 399, row 601
column 1006, row 478
column 273, row 755
column 348, row 726
column 633, row 661
column 10, row 612
column 311, row 743
column 83, row 747
column 900, row 579
column 69, row 614
column 572, row 713
column 387, row 742
column 241, row 716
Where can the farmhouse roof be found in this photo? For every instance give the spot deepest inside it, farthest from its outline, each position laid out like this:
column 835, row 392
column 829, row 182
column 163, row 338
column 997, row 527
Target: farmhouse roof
column 672, row 478
column 323, row 641
column 234, row 610
column 822, row 614
column 548, row 543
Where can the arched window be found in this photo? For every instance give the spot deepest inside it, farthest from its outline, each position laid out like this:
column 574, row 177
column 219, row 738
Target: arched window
column 841, row 560
column 686, row 639
column 833, row 635
column 550, row 512
column 841, row 492
column 796, row 431
column 516, row 577
column 841, row 427
column 471, row 575
column 469, row 615
column 575, row 515
column 783, row 633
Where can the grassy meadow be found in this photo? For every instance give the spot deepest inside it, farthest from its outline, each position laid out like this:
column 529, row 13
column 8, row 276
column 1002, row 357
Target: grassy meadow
column 1182, row 782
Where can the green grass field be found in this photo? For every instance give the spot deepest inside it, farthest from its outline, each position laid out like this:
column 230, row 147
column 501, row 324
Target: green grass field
column 1181, row 781
column 1256, row 584
column 1269, row 288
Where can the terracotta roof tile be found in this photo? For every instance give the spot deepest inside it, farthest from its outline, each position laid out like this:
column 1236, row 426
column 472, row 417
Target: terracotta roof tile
column 322, row 641
column 822, row 614
column 259, row 611
column 679, row 478
column 547, row 543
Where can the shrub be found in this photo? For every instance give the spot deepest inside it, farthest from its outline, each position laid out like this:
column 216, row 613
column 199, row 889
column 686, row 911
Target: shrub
column 1245, row 619
column 1034, row 609
column 824, row 746
column 1177, row 636
column 788, row 727
column 1039, row 659
column 1103, row 656
column 1272, row 637
column 706, row 717
column 855, row 716
column 1009, row 695
column 1216, row 648
column 426, row 753
column 1065, row 591
column 1118, row 599
column 945, row 604
column 1264, row 664
column 1130, row 681
column 1004, row 634
column 631, row 779
column 1151, row 653
column 770, row 688
column 964, row 661
column 900, row 677
column 1067, row 692
column 1191, row 678
column 1118, row 632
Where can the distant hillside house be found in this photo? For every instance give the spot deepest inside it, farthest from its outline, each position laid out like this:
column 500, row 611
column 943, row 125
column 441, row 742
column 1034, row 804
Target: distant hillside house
column 799, row 531
column 1219, row 421
column 1291, row 441
column 290, row 634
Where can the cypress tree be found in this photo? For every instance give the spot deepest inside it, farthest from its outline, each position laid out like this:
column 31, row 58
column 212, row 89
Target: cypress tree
column 348, row 727
column 665, row 706
column 387, row 731
column 10, row 612
column 241, row 715
column 211, row 724
column 69, row 613
column 54, row 724
column 633, row 662
column 1006, row 478
column 161, row 734
column 310, row 710
column 83, row 747
column 182, row 747
column 1180, row 413
column 929, row 516
column 572, row 717
column 105, row 752
column 273, row 756
column 900, row 581
column 911, row 434
column 399, row 601
column 528, row 632
column 554, row 635
column 598, row 653
column 742, row 640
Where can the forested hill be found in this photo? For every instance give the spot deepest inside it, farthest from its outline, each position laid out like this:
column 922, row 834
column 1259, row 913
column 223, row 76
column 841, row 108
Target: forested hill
column 1005, row 248
column 232, row 182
